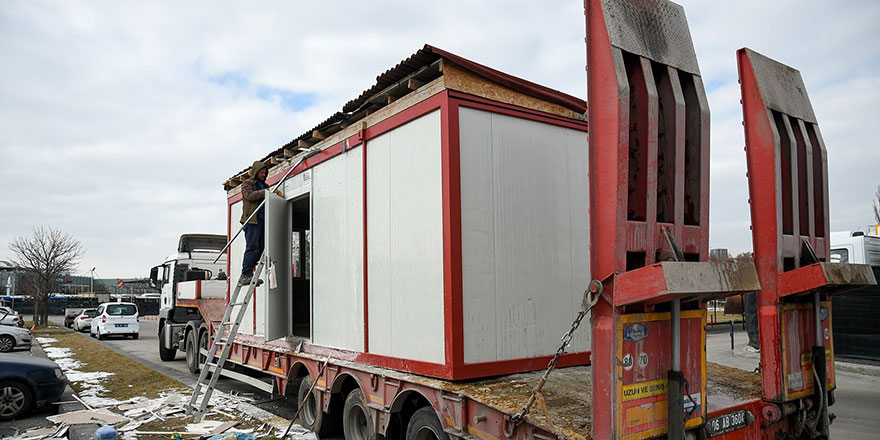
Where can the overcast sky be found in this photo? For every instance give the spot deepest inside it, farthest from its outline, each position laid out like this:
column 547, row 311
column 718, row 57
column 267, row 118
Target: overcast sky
column 119, row 121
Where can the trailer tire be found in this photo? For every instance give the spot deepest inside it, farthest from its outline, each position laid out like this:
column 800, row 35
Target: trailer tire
column 192, row 351
column 311, row 417
column 166, row 354
column 424, row 425
column 356, row 421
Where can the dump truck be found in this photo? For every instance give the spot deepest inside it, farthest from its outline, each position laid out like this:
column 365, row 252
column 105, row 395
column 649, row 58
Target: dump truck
column 436, row 236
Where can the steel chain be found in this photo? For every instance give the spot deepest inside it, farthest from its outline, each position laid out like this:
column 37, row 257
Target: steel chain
column 595, row 288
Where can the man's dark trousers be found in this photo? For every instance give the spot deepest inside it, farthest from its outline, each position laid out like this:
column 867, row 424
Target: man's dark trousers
column 254, row 237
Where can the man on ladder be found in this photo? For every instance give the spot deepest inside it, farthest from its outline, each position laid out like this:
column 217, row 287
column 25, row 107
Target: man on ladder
column 252, row 196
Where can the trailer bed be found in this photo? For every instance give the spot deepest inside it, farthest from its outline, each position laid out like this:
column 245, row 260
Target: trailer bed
column 567, row 392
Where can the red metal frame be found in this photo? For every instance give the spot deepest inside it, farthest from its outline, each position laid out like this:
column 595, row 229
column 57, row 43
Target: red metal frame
column 632, row 175
column 788, row 190
column 448, row 103
column 775, row 210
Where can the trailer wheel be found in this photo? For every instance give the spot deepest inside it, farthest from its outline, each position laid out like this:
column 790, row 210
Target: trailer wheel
column 311, row 417
column 424, row 425
column 192, row 352
column 166, row 354
column 356, row 421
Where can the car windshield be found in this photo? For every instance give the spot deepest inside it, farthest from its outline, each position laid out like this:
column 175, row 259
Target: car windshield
column 121, row 309
column 91, row 313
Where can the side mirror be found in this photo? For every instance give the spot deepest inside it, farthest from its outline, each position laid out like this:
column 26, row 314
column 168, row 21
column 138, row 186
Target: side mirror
column 154, row 276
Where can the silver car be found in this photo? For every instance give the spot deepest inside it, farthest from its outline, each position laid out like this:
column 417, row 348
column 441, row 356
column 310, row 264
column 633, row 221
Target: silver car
column 12, row 337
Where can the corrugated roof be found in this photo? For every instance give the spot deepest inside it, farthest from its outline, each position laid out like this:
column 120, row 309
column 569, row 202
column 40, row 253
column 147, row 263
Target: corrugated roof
column 419, row 61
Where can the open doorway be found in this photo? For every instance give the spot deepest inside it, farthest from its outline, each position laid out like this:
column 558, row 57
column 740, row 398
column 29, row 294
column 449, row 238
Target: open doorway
column 300, row 286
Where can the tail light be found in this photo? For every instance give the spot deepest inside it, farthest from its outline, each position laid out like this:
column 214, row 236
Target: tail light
column 82, row 317
column 103, row 318
column 15, row 319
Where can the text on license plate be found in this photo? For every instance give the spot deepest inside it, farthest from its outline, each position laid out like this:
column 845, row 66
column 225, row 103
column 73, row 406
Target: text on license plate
column 122, row 325
column 728, row 422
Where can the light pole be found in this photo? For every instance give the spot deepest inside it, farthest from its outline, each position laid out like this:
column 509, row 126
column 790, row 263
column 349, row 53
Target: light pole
column 92, row 282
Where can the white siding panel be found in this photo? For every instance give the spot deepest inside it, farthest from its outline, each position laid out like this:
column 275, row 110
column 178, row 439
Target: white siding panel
column 337, row 252
column 525, row 225
column 405, row 236
column 236, row 253
column 379, row 244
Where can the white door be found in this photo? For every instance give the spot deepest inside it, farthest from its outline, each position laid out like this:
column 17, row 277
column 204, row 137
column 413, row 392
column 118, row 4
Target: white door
column 278, row 227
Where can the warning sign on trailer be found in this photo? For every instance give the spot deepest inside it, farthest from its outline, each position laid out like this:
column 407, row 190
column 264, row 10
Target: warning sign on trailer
column 643, row 357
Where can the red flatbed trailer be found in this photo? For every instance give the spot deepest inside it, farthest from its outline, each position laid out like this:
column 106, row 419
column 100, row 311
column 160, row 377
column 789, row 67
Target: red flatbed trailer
column 649, row 198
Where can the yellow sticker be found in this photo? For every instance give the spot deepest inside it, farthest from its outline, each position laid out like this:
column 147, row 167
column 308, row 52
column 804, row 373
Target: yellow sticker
column 641, row 390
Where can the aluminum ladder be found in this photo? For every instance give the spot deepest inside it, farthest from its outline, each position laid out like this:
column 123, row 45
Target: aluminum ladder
column 196, row 407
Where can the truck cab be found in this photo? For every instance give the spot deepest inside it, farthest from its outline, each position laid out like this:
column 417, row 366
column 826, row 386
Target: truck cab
column 855, row 247
column 187, row 277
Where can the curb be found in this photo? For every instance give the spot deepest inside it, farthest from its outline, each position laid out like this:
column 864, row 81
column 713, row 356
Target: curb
column 868, row 370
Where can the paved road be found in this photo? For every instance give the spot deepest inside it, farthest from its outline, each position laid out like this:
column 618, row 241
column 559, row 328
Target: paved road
column 857, row 395
column 145, row 351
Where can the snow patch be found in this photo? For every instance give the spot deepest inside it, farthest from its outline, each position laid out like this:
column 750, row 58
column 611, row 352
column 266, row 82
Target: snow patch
column 93, row 392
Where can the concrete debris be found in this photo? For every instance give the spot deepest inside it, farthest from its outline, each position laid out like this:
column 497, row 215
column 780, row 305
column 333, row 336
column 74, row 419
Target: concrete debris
column 102, row 415
column 130, row 417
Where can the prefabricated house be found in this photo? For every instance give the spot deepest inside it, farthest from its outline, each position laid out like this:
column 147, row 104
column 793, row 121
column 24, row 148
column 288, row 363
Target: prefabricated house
column 442, row 229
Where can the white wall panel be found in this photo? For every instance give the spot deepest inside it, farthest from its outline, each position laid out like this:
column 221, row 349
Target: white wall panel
column 405, row 236
column 337, row 252
column 525, row 229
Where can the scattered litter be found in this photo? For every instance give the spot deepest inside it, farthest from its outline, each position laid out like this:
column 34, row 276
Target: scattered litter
column 202, row 427
column 222, row 428
column 106, row 433
column 234, row 436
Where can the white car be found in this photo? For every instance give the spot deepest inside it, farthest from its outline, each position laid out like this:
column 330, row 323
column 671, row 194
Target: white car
column 83, row 320
column 10, row 317
column 116, row 318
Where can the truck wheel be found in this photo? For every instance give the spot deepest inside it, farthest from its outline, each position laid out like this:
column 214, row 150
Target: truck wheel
column 203, row 342
column 356, row 421
column 424, row 425
column 311, row 416
column 192, row 352
column 166, row 354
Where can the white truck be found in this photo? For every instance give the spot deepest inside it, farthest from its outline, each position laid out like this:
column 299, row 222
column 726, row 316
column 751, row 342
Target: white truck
column 186, row 276
column 855, row 247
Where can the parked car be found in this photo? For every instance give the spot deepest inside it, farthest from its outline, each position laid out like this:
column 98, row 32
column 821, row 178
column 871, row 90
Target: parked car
column 83, row 321
column 12, row 337
column 116, row 318
column 10, row 317
column 27, row 381
column 69, row 316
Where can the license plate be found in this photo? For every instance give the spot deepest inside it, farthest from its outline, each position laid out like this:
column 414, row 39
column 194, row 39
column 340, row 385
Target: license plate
column 728, row 422
column 122, row 325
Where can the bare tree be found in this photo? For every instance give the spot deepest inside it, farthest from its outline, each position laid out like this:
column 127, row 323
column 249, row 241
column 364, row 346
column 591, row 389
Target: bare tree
column 45, row 255
column 877, row 205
